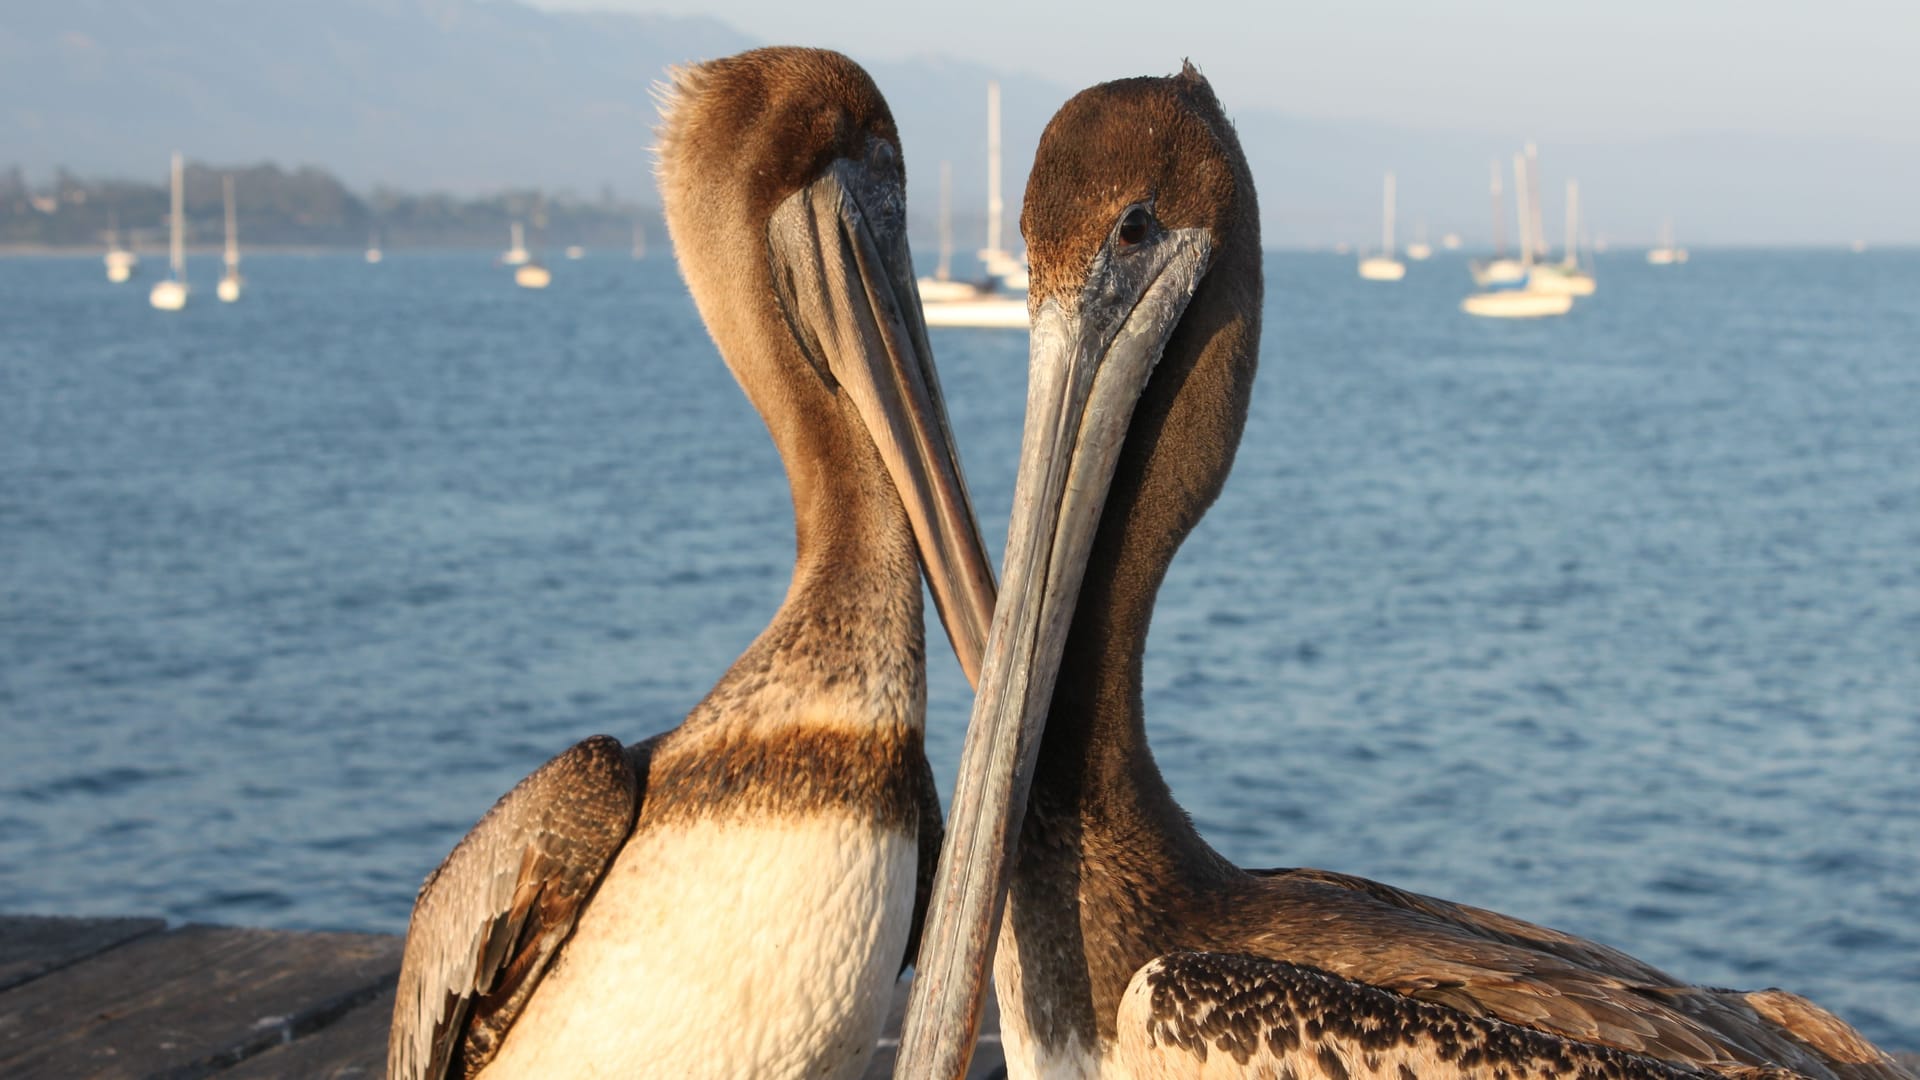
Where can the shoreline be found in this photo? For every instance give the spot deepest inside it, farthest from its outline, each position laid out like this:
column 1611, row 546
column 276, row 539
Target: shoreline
column 159, row 254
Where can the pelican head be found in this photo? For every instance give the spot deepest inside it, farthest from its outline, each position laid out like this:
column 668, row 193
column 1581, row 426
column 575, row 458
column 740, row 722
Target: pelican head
column 785, row 192
column 1143, row 233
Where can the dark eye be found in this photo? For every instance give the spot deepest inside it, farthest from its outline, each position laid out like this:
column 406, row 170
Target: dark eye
column 1133, row 227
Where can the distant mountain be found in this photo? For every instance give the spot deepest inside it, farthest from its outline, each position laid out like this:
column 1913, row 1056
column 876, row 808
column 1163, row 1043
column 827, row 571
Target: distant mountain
column 453, row 94
column 475, row 96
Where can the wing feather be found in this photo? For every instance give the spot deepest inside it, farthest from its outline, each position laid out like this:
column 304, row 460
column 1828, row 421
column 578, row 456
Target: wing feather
column 1483, row 963
column 490, row 918
column 1200, row 1015
column 932, row 833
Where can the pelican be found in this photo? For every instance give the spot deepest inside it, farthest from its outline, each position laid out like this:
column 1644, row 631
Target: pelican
column 735, row 896
column 1127, row 947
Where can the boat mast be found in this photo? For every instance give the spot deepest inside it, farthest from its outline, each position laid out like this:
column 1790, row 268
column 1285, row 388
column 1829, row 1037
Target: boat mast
column 1573, row 222
column 1520, row 210
column 994, row 205
column 177, row 247
column 1499, row 223
column 1535, row 223
column 1386, row 219
column 945, row 270
column 233, row 228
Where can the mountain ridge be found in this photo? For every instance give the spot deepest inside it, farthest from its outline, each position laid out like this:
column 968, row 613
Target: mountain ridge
column 469, row 96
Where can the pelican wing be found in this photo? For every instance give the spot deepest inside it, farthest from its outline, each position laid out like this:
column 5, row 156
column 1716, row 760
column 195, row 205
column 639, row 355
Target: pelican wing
column 1198, row 1015
column 489, row 920
column 931, row 835
column 1483, row 963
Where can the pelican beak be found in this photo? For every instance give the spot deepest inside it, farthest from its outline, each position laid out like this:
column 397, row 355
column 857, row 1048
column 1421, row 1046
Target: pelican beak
column 1089, row 365
column 844, row 273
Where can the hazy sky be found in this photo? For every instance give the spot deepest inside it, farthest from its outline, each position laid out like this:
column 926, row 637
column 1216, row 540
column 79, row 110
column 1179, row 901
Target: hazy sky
column 1567, row 70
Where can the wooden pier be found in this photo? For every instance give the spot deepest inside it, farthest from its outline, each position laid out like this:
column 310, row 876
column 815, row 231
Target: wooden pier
column 132, row 998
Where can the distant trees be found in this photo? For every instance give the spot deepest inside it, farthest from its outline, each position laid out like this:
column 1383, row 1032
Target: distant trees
column 306, row 207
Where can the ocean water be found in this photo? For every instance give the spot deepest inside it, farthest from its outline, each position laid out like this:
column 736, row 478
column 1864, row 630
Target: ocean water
column 1610, row 622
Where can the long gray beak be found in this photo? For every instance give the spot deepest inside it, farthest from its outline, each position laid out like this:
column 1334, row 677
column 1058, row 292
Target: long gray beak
column 1089, row 365
column 845, row 277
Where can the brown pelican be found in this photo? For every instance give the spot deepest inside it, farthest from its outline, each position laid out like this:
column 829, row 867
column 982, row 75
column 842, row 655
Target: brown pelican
column 1126, row 945
column 734, row 897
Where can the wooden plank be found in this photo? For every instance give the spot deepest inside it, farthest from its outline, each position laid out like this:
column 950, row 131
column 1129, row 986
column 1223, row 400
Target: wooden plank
column 188, row 1002
column 353, row 1047
column 33, row 945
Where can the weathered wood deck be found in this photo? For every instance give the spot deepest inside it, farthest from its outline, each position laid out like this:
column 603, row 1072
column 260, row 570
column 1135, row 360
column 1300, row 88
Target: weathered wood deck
column 131, row 998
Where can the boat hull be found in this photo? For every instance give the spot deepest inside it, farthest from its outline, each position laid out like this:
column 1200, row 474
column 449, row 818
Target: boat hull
column 1498, row 272
column 1380, row 268
column 168, row 295
column 1517, row 304
column 997, row 312
column 1560, row 279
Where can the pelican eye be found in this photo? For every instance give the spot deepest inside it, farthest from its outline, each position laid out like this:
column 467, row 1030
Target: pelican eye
column 1134, row 226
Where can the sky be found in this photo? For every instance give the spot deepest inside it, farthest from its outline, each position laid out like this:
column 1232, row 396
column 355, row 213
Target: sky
column 1593, row 71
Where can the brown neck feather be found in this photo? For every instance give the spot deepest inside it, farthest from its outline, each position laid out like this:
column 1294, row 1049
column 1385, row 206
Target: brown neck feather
column 850, row 626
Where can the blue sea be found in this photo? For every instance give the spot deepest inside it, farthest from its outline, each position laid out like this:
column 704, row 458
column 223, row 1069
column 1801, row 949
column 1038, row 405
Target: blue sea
column 1610, row 622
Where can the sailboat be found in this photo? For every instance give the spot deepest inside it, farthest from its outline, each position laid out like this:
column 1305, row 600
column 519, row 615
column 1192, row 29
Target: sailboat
column 1384, row 267
column 1000, row 300
column 1521, row 302
column 374, row 254
column 1666, row 254
column 1499, row 270
column 1566, row 275
column 1420, row 250
column 171, row 294
column 529, row 273
column 230, row 282
column 517, row 254
column 120, row 261
column 941, row 288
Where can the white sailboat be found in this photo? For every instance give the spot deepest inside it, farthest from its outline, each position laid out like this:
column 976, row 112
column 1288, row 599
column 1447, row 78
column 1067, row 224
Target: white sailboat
column 1420, row 250
column 1499, row 270
column 171, row 294
column 517, row 254
column 230, row 282
column 1384, row 267
column 1566, row 276
column 529, row 273
column 121, row 262
column 1523, row 302
column 1000, row 300
column 1666, row 254
column 575, row 251
column 374, row 254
